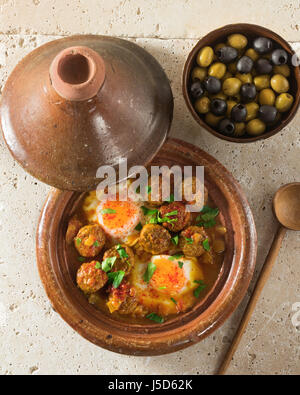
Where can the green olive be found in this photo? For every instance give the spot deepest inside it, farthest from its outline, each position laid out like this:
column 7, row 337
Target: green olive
column 284, row 102
column 239, row 129
column 202, row 105
column 217, row 70
column 237, row 41
column 230, row 105
column 219, row 95
column 255, row 127
column 252, row 54
column 266, row 97
column 232, row 86
column 279, row 83
column 212, row 119
column 262, row 81
column 205, row 56
column 283, row 70
column 245, row 78
column 199, row 73
column 252, row 109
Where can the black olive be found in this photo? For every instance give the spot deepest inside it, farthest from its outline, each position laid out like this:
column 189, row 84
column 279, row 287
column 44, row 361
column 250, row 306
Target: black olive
column 226, row 127
column 212, row 84
column 227, row 54
column 218, row 106
column 262, row 45
column 263, row 66
column 267, row 114
column 248, row 92
column 244, row 65
column 197, row 89
column 279, row 56
column 239, row 113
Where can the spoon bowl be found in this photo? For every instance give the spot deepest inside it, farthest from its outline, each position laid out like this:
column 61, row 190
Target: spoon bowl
column 286, row 205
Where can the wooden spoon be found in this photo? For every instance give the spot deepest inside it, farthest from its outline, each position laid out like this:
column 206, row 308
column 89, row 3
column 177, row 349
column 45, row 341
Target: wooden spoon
column 286, row 207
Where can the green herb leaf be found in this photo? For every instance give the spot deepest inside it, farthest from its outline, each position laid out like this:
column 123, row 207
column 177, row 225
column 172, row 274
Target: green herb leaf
column 148, row 189
column 175, row 240
column 170, row 199
column 173, row 300
column 138, row 189
column 122, row 252
column 116, row 278
column 98, row 265
column 176, row 256
column 206, row 245
column 81, row 259
column 162, row 287
column 189, row 240
column 139, row 227
column 180, row 264
column 96, row 244
column 108, row 211
column 201, row 287
column 78, row 240
column 175, row 212
column 149, row 272
column 108, row 263
column 208, row 224
column 156, row 318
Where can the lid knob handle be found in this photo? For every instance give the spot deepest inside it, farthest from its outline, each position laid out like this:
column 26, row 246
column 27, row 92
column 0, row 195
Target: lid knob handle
column 77, row 73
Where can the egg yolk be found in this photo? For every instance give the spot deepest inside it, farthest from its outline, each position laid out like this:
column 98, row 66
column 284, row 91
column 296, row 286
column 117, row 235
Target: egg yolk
column 168, row 277
column 118, row 214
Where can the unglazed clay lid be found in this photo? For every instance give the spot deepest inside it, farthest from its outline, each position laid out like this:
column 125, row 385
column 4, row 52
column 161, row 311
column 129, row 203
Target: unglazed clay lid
column 78, row 103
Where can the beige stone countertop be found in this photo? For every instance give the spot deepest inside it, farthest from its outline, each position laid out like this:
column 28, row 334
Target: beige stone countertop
column 34, row 339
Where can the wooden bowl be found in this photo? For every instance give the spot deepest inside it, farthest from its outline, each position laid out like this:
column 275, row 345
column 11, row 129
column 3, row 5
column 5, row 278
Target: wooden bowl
column 189, row 328
column 251, row 31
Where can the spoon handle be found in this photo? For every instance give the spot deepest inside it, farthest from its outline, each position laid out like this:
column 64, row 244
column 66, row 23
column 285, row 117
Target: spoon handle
column 262, row 279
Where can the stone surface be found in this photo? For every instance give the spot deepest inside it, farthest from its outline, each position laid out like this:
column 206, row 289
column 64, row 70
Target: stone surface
column 34, row 339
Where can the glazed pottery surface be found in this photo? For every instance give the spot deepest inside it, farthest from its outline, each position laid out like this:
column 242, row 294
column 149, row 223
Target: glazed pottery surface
column 60, row 133
column 58, row 276
column 251, row 31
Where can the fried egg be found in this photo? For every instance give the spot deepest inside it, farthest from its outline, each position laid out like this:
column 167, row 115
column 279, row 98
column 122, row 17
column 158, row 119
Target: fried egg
column 170, row 289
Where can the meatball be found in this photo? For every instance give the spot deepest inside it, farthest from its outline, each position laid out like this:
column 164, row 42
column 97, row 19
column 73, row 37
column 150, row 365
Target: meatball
column 89, row 278
column 177, row 221
column 143, row 255
column 122, row 299
column 90, row 240
column 73, row 227
column 155, row 239
column 191, row 241
column 124, row 255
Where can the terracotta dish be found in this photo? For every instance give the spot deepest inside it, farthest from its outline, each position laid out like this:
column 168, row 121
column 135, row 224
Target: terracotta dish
column 219, row 36
column 58, row 278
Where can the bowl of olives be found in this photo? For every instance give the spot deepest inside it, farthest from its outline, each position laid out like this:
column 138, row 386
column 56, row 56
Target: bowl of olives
column 240, row 84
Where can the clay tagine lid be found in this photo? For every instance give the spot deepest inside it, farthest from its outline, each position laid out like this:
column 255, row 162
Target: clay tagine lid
column 75, row 104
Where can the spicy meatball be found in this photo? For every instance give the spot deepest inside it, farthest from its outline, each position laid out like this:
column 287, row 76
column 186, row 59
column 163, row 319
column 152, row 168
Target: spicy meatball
column 179, row 218
column 73, row 227
column 89, row 278
column 90, row 240
column 124, row 258
column 191, row 241
column 155, row 239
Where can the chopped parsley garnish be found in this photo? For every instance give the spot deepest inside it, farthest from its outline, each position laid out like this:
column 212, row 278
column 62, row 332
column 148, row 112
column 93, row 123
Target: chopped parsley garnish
column 207, row 217
column 155, row 217
column 180, row 264
column 189, row 240
column 200, row 288
column 108, row 263
column 149, row 272
column 164, row 287
column 156, row 318
column 96, row 244
column 176, row 256
column 139, row 227
column 138, row 189
column 173, row 300
column 78, row 240
column 98, row 265
column 170, row 199
column 108, row 211
column 116, row 278
column 175, row 240
column 148, row 189
column 175, row 212
column 206, row 245
column 122, row 252
column 81, row 259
